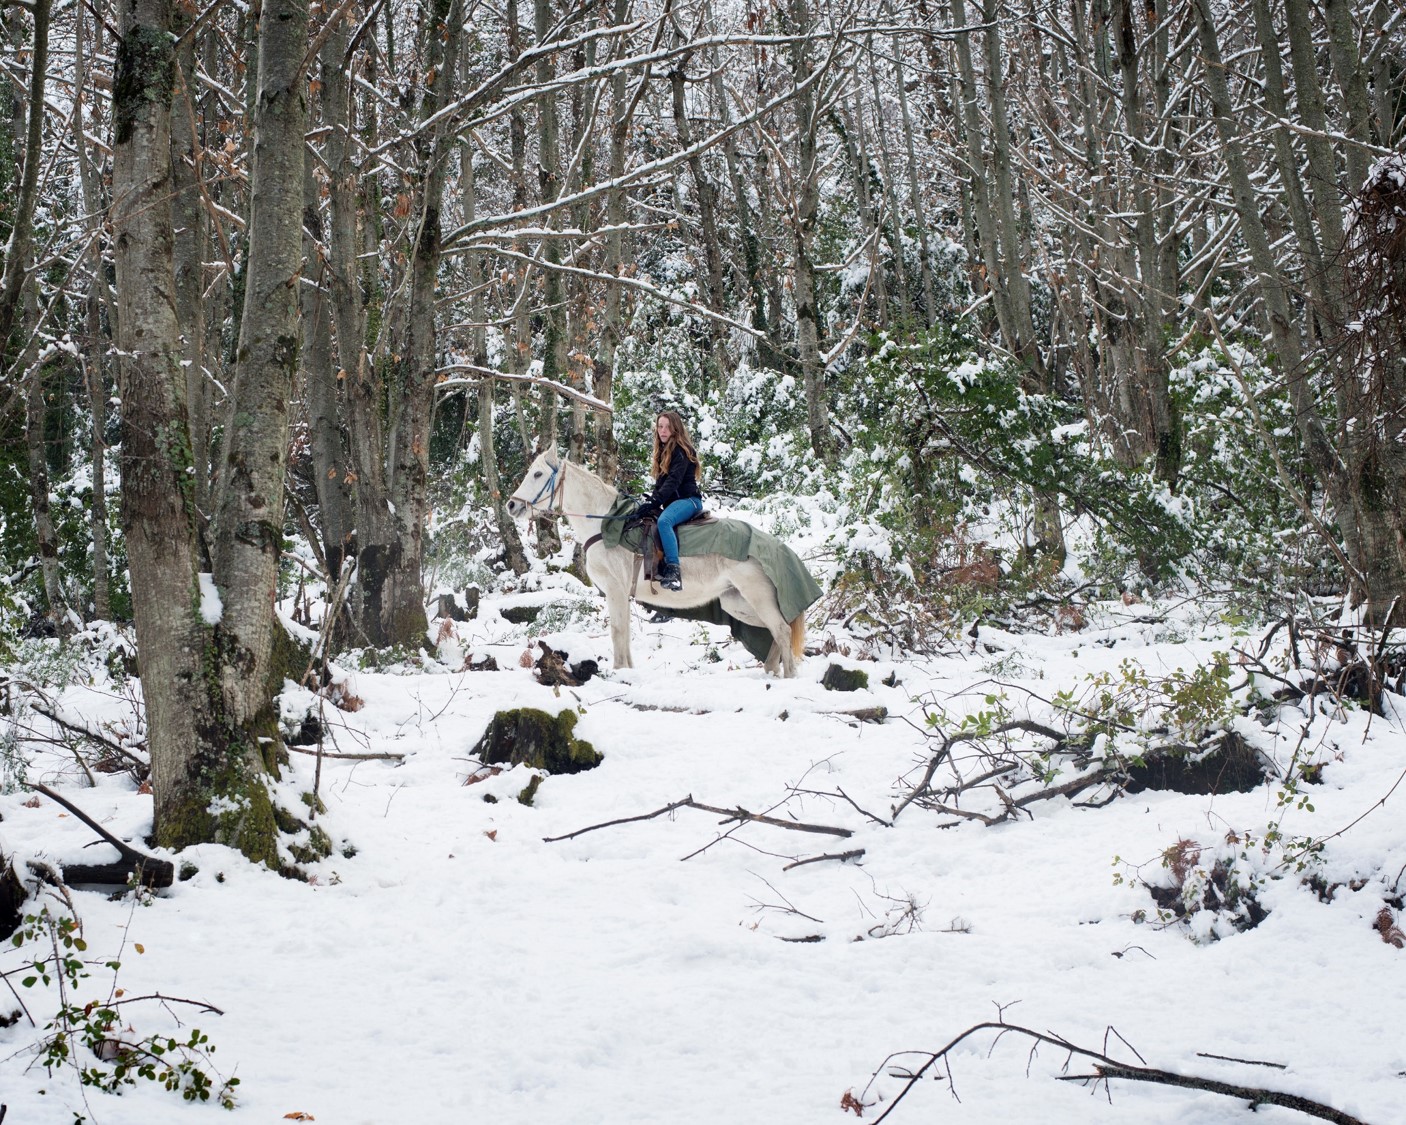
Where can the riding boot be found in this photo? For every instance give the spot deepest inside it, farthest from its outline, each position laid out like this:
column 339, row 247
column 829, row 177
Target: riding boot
column 670, row 578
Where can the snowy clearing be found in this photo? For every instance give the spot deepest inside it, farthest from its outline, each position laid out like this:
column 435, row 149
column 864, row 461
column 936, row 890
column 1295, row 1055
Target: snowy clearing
column 457, row 967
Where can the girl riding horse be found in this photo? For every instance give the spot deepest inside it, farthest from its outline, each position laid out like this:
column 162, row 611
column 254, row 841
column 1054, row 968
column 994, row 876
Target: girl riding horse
column 676, row 496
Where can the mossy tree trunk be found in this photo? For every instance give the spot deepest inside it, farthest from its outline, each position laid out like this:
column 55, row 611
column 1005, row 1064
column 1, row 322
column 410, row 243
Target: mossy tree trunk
column 207, row 765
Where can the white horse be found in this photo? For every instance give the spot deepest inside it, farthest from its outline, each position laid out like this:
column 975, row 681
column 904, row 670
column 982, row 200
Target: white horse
column 555, row 487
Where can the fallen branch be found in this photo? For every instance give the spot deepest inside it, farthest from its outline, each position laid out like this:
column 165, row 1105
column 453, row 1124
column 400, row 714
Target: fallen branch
column 385, row 757
column 1256, row 1096
column 149, row 870
column 739, row 814
column 841, row 856
column 863, row 714
column 945, row 750
column 1106, row 1068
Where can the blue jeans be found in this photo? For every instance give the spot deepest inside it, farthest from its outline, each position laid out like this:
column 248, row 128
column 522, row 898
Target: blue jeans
column 673, row 515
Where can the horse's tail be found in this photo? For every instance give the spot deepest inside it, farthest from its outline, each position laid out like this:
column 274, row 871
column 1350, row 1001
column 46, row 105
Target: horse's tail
column 798, row 636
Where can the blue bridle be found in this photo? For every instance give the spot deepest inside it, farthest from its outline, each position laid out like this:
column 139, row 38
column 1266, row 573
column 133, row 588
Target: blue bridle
column 549, row 490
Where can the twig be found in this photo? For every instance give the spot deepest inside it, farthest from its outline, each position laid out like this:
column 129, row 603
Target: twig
column 91, row 735
column 1232, row 1058
column 622, row 820
column 739, row 814
column 948, row 741
column 841, row 856
column 201, row 1004
column 847, row 798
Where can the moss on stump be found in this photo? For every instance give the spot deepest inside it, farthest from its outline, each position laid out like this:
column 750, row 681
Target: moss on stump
column 533, row 738
column 837, row 678
column 1230, row 765
column 12, row 896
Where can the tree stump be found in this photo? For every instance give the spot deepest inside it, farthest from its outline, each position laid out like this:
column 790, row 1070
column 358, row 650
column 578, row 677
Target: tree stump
column 1232, row 766
column 837, row 678
column 449, row 607
column 533, row 738
column 12, row 896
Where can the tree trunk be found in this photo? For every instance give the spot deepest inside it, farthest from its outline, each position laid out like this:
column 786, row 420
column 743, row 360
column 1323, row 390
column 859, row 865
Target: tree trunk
column 191, row 244
column 15, row 270
column 95, row 345
column 805, row 217
column 403, row 618
column 487, row 392
column 204, row 787
column 717, row 363
column 993, row 214
column 248, row 522
column 36, row 447
column 322, row 391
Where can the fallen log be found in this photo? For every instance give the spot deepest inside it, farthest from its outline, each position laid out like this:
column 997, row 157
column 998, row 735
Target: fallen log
column 149, row 870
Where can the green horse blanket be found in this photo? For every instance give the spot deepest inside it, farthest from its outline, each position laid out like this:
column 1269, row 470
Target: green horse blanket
column 796, row 590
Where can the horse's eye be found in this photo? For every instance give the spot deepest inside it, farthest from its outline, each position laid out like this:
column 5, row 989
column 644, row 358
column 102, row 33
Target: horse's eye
column 537, row 474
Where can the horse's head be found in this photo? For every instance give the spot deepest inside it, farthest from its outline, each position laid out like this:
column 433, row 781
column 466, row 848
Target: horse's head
column 535, row 491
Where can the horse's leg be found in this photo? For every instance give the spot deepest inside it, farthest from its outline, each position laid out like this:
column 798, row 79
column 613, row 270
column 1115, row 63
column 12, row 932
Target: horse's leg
column 753, row 584
column 617, row 606
column 773, row 659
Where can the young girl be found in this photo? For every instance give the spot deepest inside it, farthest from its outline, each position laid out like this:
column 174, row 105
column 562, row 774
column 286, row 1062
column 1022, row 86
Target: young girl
column 676, row 496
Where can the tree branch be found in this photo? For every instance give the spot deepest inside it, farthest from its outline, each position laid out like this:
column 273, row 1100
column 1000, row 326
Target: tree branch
column 739, row 814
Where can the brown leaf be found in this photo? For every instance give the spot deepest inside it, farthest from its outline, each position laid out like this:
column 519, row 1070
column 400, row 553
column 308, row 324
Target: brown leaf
column 1391, row 933
column 298, row 1115
column 492, row 834
column 849, row 1101
column 483, row 774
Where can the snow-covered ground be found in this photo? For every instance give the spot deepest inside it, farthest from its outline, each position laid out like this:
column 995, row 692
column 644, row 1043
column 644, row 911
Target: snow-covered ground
column 459, row 968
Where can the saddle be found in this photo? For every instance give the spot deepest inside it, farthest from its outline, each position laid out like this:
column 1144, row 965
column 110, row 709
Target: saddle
column 650, row 551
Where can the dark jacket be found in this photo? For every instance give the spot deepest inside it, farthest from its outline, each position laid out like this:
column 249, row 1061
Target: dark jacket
column 677, row 482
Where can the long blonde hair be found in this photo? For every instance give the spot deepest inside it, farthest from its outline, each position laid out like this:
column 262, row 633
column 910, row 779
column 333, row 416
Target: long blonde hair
column 678, row 439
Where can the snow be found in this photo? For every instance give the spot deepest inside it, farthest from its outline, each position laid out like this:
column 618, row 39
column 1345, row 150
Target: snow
column 459, row 967
column 212, row 608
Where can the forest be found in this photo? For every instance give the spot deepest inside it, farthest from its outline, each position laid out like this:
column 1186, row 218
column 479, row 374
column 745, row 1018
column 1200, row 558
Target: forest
column 1007, row 308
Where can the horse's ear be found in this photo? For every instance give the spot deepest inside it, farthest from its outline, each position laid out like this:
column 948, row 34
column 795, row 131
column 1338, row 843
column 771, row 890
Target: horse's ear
column 553, row 458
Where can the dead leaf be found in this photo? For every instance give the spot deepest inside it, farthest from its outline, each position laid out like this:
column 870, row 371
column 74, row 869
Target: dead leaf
column 1386, row 925
column 492, row 834
column 483, row 775
column 298, row 1115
